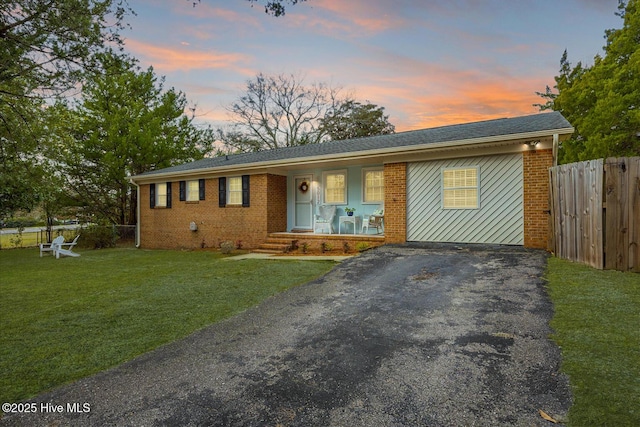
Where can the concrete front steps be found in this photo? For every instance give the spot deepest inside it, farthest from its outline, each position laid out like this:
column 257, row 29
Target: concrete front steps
column 278, row 243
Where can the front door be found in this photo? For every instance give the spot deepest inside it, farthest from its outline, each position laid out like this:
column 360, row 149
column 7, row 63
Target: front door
column 304, row 202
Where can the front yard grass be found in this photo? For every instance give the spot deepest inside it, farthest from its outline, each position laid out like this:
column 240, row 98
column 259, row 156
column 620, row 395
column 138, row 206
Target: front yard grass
column 597, row 326
column 61, row 320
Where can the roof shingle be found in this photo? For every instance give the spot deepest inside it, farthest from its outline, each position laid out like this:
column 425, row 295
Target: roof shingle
column 467, row 131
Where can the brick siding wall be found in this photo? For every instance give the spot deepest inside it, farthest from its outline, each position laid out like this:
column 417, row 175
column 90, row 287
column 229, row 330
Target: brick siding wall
column 536, row 164
column 169, row 227
column 395, row 202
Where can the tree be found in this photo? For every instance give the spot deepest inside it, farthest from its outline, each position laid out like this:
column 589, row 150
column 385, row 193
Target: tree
column 47, row 44
column 124, row 124
column 20, row 169
column 278, row 111
column 602, row 102
column 354, row 120
column 44, row 48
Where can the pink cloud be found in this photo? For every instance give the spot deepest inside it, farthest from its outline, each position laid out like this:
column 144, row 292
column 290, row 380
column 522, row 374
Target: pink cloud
column 353, row 17
column 181, row 58
column 435, row 94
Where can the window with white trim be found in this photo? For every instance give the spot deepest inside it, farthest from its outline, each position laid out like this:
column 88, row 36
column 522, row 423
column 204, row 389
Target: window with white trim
column 193, row 191
column 373, row 185
column 335, row 187
column 161, row 195
column 234, row 193
column 461, row 188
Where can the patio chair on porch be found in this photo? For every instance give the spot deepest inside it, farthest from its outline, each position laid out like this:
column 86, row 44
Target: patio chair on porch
column 323, row 220
column 375, row 220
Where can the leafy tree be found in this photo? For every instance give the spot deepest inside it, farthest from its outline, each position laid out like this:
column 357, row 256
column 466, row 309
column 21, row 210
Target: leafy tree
column 278, row 111
column 20, row 171
column 46, row 44
column 44, row 47
column 602, row 102
column 353, row 120
column 124, row 124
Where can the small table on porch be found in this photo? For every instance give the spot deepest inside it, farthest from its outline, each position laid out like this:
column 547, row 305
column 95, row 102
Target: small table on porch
column 354, row 219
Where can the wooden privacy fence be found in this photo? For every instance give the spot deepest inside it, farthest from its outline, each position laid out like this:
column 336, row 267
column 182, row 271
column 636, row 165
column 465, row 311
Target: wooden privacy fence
column 595, row 212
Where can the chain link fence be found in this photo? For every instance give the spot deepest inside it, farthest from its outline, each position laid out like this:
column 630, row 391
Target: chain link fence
column 124, row 235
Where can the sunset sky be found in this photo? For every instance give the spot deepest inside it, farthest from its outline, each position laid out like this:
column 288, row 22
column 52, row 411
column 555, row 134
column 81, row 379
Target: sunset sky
column 428, row 62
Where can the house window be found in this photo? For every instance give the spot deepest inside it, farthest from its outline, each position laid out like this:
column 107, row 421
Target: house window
column 460, row 188
column 373, row 185
column 335, row 187
column 193, row 191
column 234, row 193
column 160, row 195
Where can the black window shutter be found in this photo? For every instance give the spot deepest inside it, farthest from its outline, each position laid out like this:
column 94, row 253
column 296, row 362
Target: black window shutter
column 201, row 189
column 245, row 191
column 183, row 191
column 222, row 192
column 152, row 196
column 168, row 194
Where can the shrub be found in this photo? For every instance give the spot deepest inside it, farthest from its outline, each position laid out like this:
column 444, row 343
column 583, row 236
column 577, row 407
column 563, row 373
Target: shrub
column 326, row 247
column 19, row 223
column 362, row 246
column 345, row 247
column 16, row 241
column 99, row 236
column 227, row 247
column 305, row 247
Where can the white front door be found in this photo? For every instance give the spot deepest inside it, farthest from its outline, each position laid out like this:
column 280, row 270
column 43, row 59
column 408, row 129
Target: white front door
column 304, row 202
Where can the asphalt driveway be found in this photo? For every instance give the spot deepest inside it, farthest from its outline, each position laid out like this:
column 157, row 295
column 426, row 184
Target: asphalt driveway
column 411, row 335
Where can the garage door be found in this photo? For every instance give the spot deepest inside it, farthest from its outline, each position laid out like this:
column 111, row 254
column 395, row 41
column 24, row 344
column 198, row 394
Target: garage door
column 440, row 200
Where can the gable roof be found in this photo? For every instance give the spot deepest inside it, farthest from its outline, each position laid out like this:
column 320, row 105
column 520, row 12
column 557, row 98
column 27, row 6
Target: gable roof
column 537, row 125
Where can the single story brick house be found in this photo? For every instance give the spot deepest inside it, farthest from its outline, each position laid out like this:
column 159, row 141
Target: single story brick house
column 482, row 182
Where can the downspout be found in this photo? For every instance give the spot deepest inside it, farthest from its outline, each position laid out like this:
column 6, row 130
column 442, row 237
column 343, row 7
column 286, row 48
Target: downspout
column 556, row 146
column 137, row 212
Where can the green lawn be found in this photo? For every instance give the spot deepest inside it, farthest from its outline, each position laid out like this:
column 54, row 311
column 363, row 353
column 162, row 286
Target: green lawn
column 597, row 326
column 64, row 319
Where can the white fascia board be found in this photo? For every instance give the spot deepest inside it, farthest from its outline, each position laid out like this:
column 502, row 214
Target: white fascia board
column 265, row 167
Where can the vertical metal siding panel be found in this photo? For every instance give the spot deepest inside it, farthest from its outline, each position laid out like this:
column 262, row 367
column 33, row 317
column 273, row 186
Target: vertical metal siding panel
column 499, row 219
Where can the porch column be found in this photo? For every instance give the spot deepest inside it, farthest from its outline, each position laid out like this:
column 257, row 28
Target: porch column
column 536, row 164
column 395, row 202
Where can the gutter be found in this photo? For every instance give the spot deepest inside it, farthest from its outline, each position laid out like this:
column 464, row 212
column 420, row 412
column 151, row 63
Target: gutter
column 137, row 211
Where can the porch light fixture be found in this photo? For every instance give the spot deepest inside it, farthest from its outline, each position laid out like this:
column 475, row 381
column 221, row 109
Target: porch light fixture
column 533, row 144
